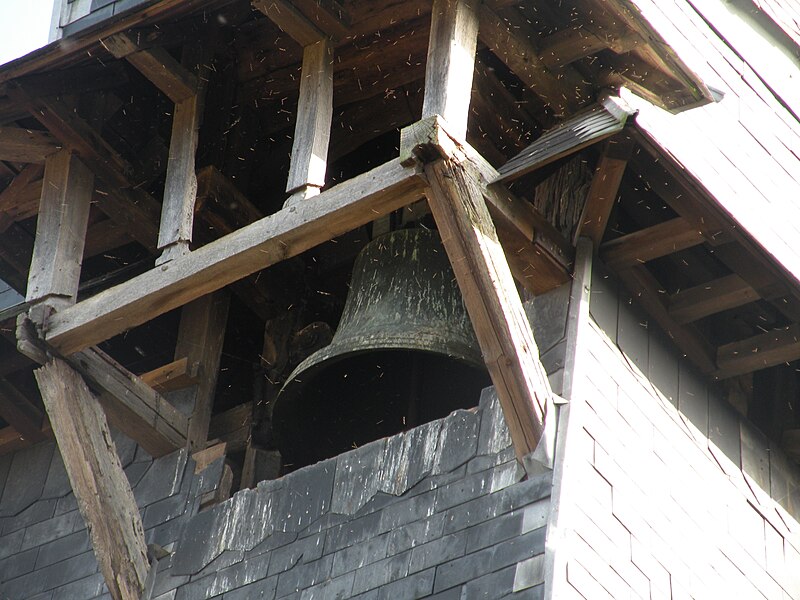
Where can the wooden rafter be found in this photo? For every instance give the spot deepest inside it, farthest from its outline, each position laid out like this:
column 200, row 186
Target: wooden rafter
column 759, row 352
column 604, row 189
column 267, row 241
column 20, row 199
column 730, row 291
column 650, row 243
column 569, row 45
column 284, row 14
column 564, row 91
column 177, row 375
column 156, row 64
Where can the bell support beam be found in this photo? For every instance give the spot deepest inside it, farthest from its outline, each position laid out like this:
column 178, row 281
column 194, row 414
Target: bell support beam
column 101, row 488
column 491, row 298
column 457, row 177
column 265, row 242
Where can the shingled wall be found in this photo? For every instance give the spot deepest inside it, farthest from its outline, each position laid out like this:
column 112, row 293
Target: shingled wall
column 666, row 491
column 442, row 511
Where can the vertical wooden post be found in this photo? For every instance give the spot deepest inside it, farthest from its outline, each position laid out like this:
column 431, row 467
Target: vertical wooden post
column 180, row 187
column 104, row 496
column 313, row 127
column 60, row 230
column 491, row 298
column 200, row 337
column 451, row 62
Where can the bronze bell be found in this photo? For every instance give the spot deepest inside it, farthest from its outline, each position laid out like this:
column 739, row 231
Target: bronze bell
column 404, row 353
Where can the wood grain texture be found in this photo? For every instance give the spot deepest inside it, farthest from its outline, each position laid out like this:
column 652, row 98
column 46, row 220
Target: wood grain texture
column 652, row 242
column 451, row 62
column 290, row 20
column 759, row 352
column 101, row 488
column 201, row 334
column 491, row 299
column 177, row 375
column 314, row 113
column 710, row 298
column 267, row 241
column 60, row 229
column 26, row 145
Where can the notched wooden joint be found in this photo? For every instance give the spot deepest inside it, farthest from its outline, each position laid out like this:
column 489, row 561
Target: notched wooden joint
column 429, row 140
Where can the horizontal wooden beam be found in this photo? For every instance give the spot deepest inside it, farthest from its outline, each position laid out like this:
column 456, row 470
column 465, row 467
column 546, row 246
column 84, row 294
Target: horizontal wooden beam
column 12, row 440
column 270, row 240
column 759, row 352
column 566, row 46
column 26, row 145
column 711, row 298
column 177, row 375
column 156, row 64
column 289, row 19
column 652, row 242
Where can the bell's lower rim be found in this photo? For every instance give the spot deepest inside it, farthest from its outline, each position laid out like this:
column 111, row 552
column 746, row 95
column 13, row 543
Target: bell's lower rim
column 344, row 348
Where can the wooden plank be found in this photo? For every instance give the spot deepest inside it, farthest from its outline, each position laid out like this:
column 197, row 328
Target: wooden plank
column 101, row 488
column 177, row 375
column 759, row 352
column 710, row 298
column 156, row 64
column 26, row 145
column 451, row 62
column 274, row 238
column 328, row 16
column 132, row 406
column 564, row 92
column 290, row 20
column 313, row 126
column 200, row 337
column 20, row 413
column 180, row 186
column 233, row 427
column 604, row 189
column 12, row 440
column 572, row 44
column 652, row 242
column 644, row 287
column 60, row 230
column 500, row 324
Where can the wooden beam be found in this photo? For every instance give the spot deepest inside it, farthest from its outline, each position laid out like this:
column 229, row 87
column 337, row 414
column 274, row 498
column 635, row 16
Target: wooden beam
column 569, row 45
column 652, row 242
column 759, row 352
column 491, row 299
column 20, row 413
column 328, row 16
column 604, row 189
column 290, row 20
column 643, row 286
column 132, row 406
column 177, row 375
column 711, row 298
column 133, row 208
column 12, row 440
column 26, row 145
column 101, row 488
column 564, row 91
column 313, row 126
column 156, row 64
column 20, row 199
column 451, row 62
column 60, row 230
column 200, row 337
column 267, row 241
column 180, row 186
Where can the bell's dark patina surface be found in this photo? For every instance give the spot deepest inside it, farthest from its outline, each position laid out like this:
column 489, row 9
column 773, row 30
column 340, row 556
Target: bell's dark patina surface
column 404, row 353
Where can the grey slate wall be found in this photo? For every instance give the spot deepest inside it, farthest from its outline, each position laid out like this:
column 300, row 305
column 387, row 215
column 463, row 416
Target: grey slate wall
column 77, row 15
column 45, row 552
column 666, row 491
column 441, row 511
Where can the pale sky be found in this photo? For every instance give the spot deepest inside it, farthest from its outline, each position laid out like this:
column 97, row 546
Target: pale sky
column 24, row 26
